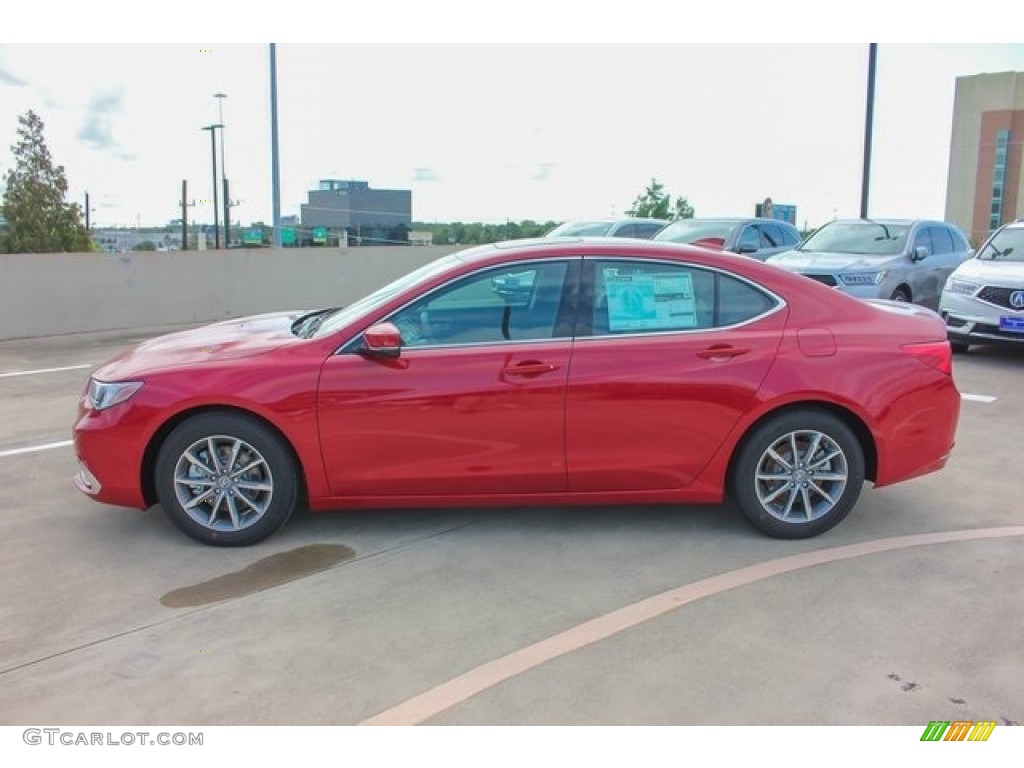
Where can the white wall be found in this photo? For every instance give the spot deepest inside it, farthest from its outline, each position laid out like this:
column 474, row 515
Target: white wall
column 55, row 293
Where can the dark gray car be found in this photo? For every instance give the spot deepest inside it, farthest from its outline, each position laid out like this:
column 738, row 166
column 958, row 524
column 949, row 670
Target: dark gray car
column 759, row 238
column 628, row 227
column 898, row 259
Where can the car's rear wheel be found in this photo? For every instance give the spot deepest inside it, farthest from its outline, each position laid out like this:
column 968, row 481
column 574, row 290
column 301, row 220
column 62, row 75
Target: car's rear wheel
column 900, row 294
column 226, row 479
column 959, row 347
column 798, row 474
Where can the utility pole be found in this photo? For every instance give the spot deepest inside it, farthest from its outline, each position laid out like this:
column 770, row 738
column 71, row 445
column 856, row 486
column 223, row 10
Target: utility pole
column 184, row 215
column 213, row 152
column 87, row 227
column 869, row 120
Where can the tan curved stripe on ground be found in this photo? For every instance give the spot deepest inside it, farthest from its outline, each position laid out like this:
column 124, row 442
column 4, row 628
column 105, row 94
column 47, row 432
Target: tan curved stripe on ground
column 447, row 695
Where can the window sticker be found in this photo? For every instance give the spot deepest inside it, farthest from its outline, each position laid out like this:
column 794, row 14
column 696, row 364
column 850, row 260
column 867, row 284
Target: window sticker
column 650, row 301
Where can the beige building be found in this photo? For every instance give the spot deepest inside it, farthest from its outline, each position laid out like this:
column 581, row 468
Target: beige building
column 986, row 182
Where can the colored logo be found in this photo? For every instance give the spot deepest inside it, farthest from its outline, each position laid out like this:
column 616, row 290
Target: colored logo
column 958, row 730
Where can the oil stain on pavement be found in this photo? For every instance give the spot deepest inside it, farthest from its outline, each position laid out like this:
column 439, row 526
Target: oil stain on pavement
column 268, row 572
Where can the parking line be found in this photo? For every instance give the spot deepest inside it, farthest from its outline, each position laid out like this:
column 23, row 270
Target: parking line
column 978, row 398
column 34, row 448
column 447, row 695
column 45, row 370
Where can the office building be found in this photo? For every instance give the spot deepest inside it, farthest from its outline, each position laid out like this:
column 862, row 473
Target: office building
column 369, row 216
column 986, row 184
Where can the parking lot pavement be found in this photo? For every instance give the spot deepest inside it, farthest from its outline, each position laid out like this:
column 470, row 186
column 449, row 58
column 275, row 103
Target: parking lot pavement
column 618, row 615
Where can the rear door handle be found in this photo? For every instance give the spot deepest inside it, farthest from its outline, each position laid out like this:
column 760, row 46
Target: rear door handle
column 722, row 352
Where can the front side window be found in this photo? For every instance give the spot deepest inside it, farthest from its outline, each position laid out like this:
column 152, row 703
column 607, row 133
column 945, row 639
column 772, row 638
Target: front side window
column 942, row 240
column 923, row 238
column 648, row 297
column 519, row 303
column 750, row 238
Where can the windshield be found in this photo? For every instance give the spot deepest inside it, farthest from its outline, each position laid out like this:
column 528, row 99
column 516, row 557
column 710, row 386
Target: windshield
column 1006, row 245
column 691, row 230
column 866, row 238
column 581, row 229
column 342, row 317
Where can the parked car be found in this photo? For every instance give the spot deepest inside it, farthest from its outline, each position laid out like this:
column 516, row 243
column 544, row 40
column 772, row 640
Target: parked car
column 645, row 229
column 756, row 237
column 983, row 300
column 630, row 372
column 901, row 260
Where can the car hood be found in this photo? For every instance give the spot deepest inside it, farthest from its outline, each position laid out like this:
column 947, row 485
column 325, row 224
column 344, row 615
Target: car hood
column 822, row 261
column 227, row 340
column 1005, row 273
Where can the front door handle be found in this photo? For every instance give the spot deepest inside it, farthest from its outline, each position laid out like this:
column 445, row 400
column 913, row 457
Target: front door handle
column 530, row 368
column 722, row 352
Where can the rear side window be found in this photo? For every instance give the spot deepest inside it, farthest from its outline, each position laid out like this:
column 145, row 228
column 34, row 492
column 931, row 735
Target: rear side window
column 646, row 297
column 771, row 236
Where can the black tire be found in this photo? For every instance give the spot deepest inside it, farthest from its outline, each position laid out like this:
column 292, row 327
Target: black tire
column 798, row 499
column 900, row 294
column 240, row 507
column 959, row 347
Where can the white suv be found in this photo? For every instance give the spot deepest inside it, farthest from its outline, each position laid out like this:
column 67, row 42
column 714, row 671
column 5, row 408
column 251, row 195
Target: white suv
column 983, row 300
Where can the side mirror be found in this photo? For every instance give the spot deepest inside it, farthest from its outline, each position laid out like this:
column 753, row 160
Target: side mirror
column 746, row 248
column 382, row 340
column 921, row 252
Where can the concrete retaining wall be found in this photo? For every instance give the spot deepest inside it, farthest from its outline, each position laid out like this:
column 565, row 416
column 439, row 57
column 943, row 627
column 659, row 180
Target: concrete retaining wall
column 45, row 294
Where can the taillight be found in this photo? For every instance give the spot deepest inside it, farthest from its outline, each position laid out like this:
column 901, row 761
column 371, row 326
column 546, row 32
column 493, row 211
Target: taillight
column 934, row 354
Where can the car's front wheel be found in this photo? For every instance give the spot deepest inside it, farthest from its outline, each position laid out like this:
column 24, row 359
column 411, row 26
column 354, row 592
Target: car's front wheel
column 798, row 474
column 226, row 479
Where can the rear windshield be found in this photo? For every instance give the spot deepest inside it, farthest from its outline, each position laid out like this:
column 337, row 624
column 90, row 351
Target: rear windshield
column 689, row 231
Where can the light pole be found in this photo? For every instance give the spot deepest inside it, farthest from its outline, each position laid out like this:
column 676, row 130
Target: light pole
column 224, row 169
column 869, row 115
column 213, row 153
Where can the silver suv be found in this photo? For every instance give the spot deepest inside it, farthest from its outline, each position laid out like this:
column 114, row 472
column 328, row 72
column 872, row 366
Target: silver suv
column 983, row 300
column 902, row 260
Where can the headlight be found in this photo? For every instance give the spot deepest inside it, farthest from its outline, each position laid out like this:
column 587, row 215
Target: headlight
column 961, row 286
column 863, row 278
column 103, row 394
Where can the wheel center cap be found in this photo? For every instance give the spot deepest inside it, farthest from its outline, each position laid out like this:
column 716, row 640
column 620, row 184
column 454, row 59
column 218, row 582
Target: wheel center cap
column 800, row 476
column 223, row 483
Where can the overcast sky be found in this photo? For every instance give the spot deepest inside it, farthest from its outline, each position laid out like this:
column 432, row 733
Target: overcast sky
column 489, row 132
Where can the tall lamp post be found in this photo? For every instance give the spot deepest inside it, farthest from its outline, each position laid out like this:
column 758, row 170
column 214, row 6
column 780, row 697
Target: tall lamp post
column 224, row 169
column 213, row 153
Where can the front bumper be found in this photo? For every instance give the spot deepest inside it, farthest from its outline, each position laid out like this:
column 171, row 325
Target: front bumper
column 971, row 321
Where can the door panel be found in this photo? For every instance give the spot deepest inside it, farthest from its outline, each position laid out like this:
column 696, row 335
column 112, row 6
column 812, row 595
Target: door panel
column 439, row 421
column 474, row 404
column 648, row 410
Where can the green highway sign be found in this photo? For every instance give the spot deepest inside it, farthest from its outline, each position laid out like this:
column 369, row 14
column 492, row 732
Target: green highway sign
column 320, row 235
column 252, row 237
column 287, row 236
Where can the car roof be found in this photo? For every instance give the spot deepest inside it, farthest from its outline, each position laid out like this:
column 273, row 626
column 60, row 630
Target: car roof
column 614, row 220
column 874, row 220
column 736, row 220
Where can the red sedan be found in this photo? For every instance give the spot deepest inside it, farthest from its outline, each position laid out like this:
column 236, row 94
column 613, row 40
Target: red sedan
column 547, row 372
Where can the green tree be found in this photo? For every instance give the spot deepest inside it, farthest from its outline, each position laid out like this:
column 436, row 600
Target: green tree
column 655, row 203
column 38, row 218
column 144, row 245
